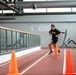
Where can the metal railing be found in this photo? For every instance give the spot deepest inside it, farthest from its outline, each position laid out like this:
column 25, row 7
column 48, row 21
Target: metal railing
column 11, row 39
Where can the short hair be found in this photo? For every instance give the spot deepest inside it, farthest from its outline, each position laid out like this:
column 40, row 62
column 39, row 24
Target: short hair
column 53, row 25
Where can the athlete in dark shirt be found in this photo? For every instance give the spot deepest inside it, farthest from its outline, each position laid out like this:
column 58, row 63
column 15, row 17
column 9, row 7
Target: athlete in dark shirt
column 55, row 34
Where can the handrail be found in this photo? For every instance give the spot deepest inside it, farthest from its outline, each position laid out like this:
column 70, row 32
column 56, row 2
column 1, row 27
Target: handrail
column 17, row 41
column 18, row 30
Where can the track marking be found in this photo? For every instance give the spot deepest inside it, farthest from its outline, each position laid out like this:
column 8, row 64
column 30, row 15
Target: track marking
column 33, row 64
column 64, row 62
column 4, row 63
column 19, row 57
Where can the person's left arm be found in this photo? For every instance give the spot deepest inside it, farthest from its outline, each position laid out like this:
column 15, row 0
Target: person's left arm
column 58, row 33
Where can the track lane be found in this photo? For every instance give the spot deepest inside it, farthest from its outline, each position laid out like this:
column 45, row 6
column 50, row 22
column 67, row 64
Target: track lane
column 24, row 61
column 50, row 65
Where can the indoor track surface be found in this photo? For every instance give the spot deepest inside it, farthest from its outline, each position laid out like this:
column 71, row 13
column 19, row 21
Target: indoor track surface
column 40, row 63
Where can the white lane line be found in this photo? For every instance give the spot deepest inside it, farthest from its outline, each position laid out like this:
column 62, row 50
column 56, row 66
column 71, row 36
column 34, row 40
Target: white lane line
column 18, row 58
column 4, row 64
column 64, row 62
column 33, row 64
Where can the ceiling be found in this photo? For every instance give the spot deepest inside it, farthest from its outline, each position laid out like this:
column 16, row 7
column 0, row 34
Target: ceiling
column 19, row 5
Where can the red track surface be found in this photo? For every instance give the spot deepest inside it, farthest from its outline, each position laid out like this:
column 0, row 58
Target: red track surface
column 49, row 65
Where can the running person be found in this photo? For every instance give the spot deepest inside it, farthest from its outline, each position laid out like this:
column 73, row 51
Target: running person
column 55, row 34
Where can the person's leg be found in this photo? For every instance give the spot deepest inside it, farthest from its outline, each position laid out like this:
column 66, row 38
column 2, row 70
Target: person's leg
column 50, row 47
column 55, row 43
column 55, row 47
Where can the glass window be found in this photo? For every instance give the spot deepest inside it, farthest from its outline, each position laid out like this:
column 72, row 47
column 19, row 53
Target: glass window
column 14, row 40
column 3, row 41
column 74, row 9
column 0, row 11
column 9, row 44
column 58, row 9
column 22, row 39
column 35, row 39
column 11, row 40
column 31, row 40
column 38, row 10
column 7, row 11
column 34, row 0
column 55, row 0
column 18, row 40
column 25, row 40
column 10, row 0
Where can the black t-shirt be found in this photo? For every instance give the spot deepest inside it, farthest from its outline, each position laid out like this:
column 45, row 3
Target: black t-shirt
column 54, row 33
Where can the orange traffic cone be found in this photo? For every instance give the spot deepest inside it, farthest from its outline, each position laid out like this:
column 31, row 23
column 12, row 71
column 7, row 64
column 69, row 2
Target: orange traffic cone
column 13, row 69
column 56, row 50
column 69, row 64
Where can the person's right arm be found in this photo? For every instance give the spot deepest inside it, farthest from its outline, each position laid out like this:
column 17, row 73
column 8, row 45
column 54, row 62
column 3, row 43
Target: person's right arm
column 50, row 32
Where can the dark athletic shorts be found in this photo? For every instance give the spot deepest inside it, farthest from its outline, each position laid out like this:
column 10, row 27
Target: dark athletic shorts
column 54, row 41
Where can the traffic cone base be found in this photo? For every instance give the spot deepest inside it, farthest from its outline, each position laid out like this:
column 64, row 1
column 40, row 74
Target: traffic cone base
column 56, row 54
column 70, row 74
column 14, row 74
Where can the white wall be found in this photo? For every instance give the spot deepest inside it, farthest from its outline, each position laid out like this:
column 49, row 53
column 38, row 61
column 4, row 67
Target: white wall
column 43, row 18
column 62, row 23
column 7, row 57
